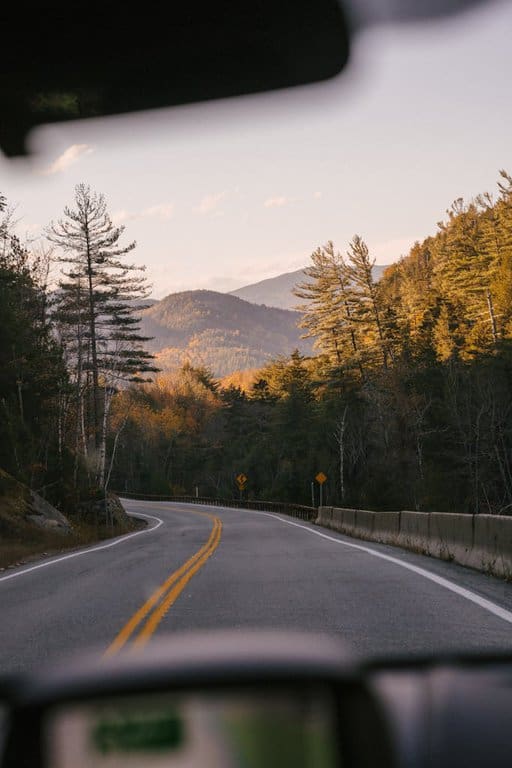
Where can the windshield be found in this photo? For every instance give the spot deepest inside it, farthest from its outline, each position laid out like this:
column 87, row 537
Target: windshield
column 256, row 365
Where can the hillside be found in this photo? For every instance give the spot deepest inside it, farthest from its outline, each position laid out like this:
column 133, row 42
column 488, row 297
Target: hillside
column 220, row 331
column 277, row 291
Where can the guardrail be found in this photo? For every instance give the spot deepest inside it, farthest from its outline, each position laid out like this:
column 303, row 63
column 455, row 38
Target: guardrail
column 299, row 511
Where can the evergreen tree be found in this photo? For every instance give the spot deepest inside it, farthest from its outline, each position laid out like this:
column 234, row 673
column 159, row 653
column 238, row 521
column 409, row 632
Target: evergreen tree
column 501, row 287
column 368, row 309
column 463, row 272
column 328, row 314
column 407, row 287
column 33, row 378
column 97, row 309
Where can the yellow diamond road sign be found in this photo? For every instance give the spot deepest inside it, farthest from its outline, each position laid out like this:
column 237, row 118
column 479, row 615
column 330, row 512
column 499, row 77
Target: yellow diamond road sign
column 321, row 478
column 241, row 479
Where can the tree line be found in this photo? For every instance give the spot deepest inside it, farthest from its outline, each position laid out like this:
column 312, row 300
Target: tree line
column 68, row 346
column 407, row 403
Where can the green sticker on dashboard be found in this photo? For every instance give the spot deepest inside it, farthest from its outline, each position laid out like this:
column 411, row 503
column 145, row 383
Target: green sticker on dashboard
column 159, row 733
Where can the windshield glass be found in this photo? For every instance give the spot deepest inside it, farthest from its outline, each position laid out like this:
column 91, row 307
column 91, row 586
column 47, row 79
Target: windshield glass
column 256, row 361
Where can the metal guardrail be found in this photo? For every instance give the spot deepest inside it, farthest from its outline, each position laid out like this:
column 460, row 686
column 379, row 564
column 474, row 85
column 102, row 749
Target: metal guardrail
column 298, row 511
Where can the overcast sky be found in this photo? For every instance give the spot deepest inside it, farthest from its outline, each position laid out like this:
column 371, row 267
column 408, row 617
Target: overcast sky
column 221, row 195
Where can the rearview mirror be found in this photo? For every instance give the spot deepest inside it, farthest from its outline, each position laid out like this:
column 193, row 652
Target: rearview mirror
column 114, row 58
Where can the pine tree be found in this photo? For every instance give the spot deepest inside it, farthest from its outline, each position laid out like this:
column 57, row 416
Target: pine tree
column 367, row 307
column 407, row 287
column 32, row 373
column 501, row 285
column 97, row 309
column 328, row 314
column 465, row 264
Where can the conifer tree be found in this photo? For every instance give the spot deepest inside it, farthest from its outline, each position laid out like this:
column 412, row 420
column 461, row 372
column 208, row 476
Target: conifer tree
column 328, row 314
column 32, row 373
column 97, row 309
column 501, row 287
column 465, row 264
column 365, row 299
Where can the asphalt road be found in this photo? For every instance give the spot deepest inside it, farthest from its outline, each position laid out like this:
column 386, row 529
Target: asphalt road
column 200, row 568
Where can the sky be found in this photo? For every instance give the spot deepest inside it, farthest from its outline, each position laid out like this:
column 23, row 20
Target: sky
column 225, row 194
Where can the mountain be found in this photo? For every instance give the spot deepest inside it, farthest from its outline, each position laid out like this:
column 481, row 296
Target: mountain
column 277, row 291
column 274, row 292
column 219, row 331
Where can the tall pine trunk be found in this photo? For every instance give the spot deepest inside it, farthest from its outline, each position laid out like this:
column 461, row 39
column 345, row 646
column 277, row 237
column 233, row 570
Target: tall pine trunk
column 94, row 353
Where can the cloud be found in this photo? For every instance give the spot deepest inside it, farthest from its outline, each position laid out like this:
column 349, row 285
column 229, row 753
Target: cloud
column 122, row 216
column 69, row 157
column 277, row 202
column 163, row 211
column 210, row 203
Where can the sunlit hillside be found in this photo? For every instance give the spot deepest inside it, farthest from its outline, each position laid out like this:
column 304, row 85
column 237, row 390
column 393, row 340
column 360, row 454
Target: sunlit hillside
column 222, row 332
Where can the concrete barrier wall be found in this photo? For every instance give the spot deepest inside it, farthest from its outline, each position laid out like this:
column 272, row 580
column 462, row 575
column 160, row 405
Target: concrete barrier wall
column 324, row 517
column 386, row 527
column 363, row 524
column 415, row 531
column 349, row 521
column 451, row 537
column 483, row 542
column 337, row 520
column 492, row 549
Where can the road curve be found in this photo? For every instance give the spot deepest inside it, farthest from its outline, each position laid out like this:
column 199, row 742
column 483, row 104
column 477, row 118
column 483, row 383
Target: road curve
column 201, row 568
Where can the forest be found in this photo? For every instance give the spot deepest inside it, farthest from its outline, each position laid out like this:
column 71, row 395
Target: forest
column 404, row 404
column 68, row 347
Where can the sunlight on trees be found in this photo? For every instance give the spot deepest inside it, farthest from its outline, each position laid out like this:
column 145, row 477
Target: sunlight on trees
column 406, row 403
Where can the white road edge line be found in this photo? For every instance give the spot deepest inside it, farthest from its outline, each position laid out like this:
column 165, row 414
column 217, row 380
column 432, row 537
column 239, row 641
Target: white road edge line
column 482, row 602
column 118, row 540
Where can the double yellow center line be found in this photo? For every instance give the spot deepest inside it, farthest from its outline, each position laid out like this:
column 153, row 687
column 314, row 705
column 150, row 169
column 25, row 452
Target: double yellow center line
column 145, row 621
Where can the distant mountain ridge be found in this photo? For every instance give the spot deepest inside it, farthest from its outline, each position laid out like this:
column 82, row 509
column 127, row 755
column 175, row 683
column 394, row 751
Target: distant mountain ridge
column 278, row 291
column 274, row 291
column 220, row 331
column 228, row 332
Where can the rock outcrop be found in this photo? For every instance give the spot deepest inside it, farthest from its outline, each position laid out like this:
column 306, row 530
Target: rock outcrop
column 21, row 507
